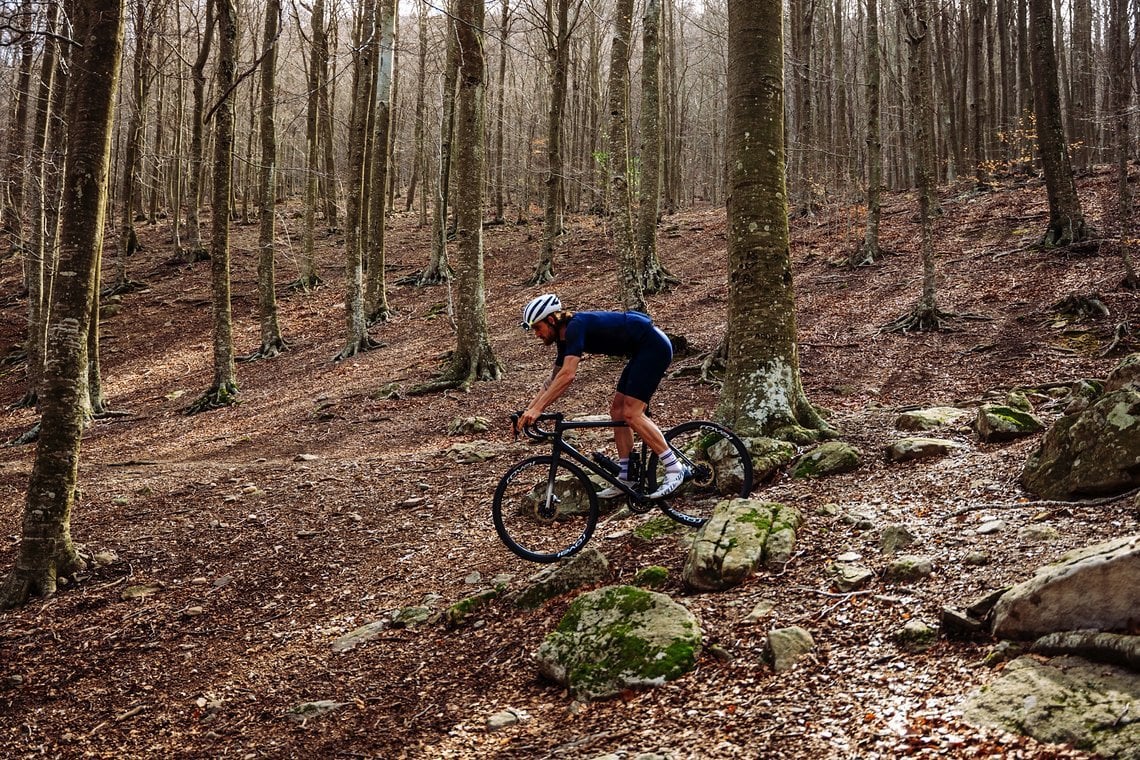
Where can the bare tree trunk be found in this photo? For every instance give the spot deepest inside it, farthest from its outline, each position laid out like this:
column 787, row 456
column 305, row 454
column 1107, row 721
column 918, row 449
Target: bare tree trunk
column 438, row 270
column 39, row 267
column 1120, row 91
column 376, row 295
column 500, row 122
column 473, row 360
column 869, row 250
column 1082, row 98
column 654, row 277
column 421, row 86
column 46, row 551
column 223, row 391
column 621, row 214
column 762, row 394
column 15, row 169
column 321, row 42
column 557, row 28
column 1066, row 222
column 272, row 343
column 194, row 250
column 308, row 277
column 364, row 50
column 980, row 8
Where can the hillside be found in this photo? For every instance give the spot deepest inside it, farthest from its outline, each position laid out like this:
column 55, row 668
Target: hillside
column 259, row 558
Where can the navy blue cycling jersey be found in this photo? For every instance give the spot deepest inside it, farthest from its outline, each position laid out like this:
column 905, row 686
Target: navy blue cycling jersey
column 613, row 333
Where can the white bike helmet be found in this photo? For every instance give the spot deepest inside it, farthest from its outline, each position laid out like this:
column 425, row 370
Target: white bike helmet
column 539, row 309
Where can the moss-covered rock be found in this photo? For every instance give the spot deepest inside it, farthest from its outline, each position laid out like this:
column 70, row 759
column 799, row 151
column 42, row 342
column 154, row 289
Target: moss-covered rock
column 828, row 458
column 617, row 638
column 768, row 456
column 1093, row 453
column 929, row 419
column 741, row 535
column 908, row 449
column 653, row 576
column 999, row 422
column 582, row 569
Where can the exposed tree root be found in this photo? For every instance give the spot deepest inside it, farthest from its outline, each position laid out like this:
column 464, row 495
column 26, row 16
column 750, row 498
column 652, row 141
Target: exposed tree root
column 268, row 350
column 24, row 583
column 1120, row 335
column 358, row 347
column 658, row 279
column 715, row 363
column 217, row 397
column 865, row 255
column 305, row 284
column 427, row 278
column 31, row 435
column 1081, row 306
column 17, row 355
column 382, row 314
column 1113, row 648
column 29, row 401
column 122, row 287
column 191, row 255
column 922, row 318
column 543, row 273
column 461, row 378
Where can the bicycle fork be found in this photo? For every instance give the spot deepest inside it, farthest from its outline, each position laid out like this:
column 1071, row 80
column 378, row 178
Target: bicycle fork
column 548, row 509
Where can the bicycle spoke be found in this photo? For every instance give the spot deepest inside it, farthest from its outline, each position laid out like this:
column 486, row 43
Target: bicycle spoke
column 719, row 468
column 541, row 520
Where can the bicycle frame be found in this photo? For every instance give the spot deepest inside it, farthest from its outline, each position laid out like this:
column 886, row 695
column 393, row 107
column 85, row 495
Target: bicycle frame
column 560, row 447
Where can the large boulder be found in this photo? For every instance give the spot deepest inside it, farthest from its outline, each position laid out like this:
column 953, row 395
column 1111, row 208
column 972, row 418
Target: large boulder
column 1066, row 700
column 741, row 535
column 1095, row 452
column 1096, row 587
column 617, row 638
column 828, row 458
column 999, row 422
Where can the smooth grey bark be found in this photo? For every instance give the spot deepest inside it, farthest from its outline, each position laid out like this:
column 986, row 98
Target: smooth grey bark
column 630, row 291
column 473, row 360
column 47, row 552
column 654, row 277
column 376, row 294
column 224, row 388
column 868, row 251
column 308, row 276
column 762, row 392
column 194, row 250
column 13, row 180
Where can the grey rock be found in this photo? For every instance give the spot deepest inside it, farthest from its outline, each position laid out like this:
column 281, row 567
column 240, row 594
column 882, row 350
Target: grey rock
column 916, row 636
column 505, row 718
column 895, row 537
column 760, row 611
column 1038, row 533
column 1124, row 375
column 620, row 637
column 828, row 458
column 787, row 646
column 909, row 449
column 469, row 425
column 976, row 559
column 1096, row 587
column 741, row 536
column 997, row 422
column 990, row 527
column 587, row 567
column 309, row 710
column 361, row 635
column 1066, row 700
column 929, row 419
column 1093, row 453
column 850, row 577
column 472, row 452
column 908, row 568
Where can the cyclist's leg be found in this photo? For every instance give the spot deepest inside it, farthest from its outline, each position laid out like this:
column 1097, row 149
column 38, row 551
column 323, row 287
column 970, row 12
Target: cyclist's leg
column 638, row 382
column 623, row 436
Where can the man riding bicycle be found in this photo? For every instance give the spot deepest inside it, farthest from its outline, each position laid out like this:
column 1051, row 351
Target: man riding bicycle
column 629, row 334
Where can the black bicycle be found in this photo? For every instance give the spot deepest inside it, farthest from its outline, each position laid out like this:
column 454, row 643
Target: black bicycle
column 546, row 507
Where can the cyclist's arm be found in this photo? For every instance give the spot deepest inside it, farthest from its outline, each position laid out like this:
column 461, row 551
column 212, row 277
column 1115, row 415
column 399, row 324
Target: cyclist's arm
column 557, row 386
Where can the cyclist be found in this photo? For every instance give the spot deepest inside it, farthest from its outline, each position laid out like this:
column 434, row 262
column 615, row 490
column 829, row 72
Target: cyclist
column 629, row 334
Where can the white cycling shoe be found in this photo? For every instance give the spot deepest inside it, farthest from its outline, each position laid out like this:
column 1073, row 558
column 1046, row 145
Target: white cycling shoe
column 671, row 483
column 613, row 491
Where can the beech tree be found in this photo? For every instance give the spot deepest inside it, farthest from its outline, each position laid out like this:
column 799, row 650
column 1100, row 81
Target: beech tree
column 47, row 552
column 1066, row 221
column 762, row 393
column 630, row 290
column 376, row 294
column 654, row 277
column 868, row 251
column 318, row 63
column 473, row 359
column 272, row 342
column 223, row 391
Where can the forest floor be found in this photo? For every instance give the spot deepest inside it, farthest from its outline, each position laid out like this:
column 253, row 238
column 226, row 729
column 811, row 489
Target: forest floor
column 258, row 558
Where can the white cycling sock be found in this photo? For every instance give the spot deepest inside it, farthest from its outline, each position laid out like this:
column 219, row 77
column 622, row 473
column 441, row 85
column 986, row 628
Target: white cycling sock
column 623, row 469
column 670, row 463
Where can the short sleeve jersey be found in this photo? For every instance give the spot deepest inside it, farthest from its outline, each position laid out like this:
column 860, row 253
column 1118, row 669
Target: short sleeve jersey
column 613, row 333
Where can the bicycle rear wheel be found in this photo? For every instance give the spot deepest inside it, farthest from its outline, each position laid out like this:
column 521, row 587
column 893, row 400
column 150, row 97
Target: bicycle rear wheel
column 720, row 468
column 544, row 513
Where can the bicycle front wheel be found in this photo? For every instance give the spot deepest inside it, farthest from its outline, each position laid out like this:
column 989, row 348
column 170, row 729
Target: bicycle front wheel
column 719, row 466
column 545, row 511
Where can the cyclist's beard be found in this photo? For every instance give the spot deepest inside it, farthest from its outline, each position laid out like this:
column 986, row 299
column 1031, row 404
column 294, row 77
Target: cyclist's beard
column 551, row 340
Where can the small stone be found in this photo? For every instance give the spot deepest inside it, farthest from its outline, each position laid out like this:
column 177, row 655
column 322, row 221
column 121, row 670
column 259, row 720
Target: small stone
column 199, row 581
column 104, row 559
column 194, row 611
column 120, row 501
column 849, row 557
column 916, row 636
column 410, row 502
column 762, row 610
column 473, row 578
column 976, row 559
column 505, row 718
column 1038, row 533
column 989, row 528
column 306, row 458
column 895, row 537
column 908, row 568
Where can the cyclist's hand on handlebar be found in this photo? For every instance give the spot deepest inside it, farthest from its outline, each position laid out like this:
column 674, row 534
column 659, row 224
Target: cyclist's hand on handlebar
column 528, row 418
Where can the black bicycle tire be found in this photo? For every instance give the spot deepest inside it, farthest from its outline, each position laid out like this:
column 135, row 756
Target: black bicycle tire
column 667, row 506
column 504, row 532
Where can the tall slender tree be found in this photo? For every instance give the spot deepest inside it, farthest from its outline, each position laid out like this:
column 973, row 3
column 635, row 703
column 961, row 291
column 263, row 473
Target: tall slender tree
column 630, row 291
column 376, row 294
column 224, row 388
column 868, row 251
column 47, row 552
column 473, row 359
column 194, row 250
column 272, row 342
column 762, row 393
column 12, row 182
column 654, row 277
column 1066, row 221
